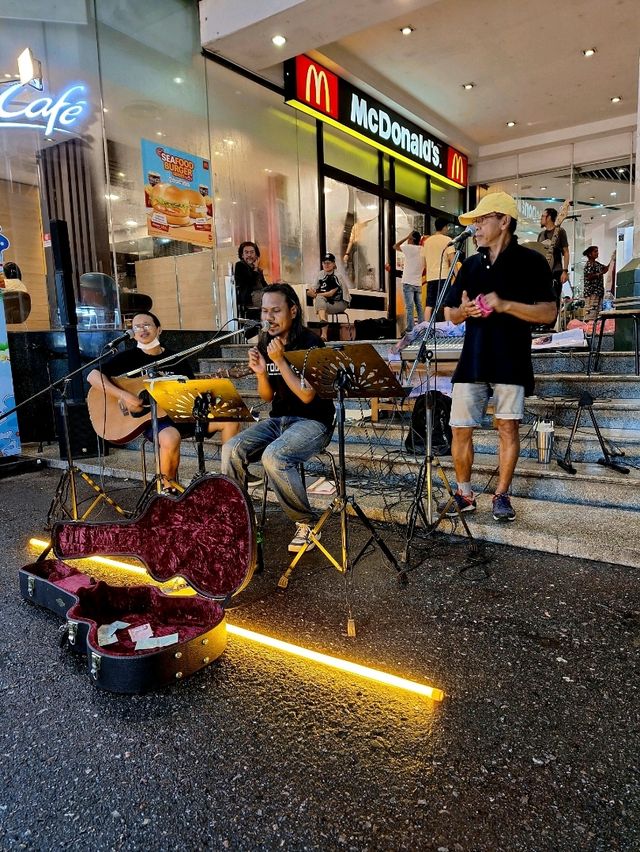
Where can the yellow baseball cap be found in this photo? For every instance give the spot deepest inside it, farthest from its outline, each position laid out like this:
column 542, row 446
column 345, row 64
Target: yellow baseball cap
column 493, row 202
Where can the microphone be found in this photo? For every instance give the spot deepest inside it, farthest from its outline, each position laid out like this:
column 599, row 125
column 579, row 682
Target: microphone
column 252, row 324
column 128, row 335
column 469, row 231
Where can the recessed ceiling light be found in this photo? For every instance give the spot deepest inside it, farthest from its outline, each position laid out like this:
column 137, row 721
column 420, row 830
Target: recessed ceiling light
column 8, row 76
column 589, row 51
column 511, row 124
column 468, row 86
column 159, row 133
column 621, row 171
column 131, row 223
column 613, row 194
column 121, row 174
column 592, row 198
column 268, row 171
column 407, row 30
column 279, row 40
column 104, row 109
column 228, row 141
column 543, row 187
column 603, row 215
column 616, row 99
column 111, row 197
column 178, row 80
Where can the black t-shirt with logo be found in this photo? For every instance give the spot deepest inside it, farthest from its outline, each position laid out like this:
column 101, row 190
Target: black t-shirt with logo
column 497, row 349
column 285, row 403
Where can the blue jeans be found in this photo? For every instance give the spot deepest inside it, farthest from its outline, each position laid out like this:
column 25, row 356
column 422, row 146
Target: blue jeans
column 412, row 294
column 282, row 443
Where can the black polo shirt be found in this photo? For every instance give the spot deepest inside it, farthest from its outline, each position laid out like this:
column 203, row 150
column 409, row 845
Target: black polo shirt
column 497, row 349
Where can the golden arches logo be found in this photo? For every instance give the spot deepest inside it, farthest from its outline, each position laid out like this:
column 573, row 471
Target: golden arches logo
column 321, row 84
column 457, row 168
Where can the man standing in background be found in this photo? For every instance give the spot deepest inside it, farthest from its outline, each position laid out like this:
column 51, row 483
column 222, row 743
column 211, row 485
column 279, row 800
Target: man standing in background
column 412, row 276
column 559, row 244
column 438, row 257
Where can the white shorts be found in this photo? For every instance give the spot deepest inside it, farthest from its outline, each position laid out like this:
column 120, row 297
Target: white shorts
column 469, row 403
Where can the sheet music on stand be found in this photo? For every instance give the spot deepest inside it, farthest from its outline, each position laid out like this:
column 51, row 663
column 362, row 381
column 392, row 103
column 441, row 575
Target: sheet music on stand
column 365, row 373
column 177, row 396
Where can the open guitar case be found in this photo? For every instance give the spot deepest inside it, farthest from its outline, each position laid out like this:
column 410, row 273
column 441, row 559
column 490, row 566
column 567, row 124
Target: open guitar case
column 206, row 535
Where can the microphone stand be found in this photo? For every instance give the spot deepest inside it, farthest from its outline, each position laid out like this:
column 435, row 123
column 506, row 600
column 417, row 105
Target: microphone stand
column 426, row 356
column 67, row 482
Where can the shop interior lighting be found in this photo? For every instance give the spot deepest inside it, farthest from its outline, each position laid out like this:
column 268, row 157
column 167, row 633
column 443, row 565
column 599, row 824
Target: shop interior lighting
column 279, row 40
column 407, row 30
column 616, row 99
column 178, row 80
column 589, row 51
column 543, row 187
column 30, row 69
column 468, row 86
column 511, row 124
column 613, row 194
column 621, row 171
column 347, row 666
column 131, row 223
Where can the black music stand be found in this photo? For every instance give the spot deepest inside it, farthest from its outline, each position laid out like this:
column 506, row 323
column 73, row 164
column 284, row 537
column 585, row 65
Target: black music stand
column 202, row 401
column 339, row 373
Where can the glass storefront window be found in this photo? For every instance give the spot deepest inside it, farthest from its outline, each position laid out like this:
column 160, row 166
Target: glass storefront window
column 350, row 155
column 262, row 151
column 446, row 198
column 410, row 182
column 352, row 217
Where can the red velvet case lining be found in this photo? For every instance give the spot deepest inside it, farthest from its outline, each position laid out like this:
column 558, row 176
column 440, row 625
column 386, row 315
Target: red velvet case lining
column 206, row 535
column 189, row 616
column 60, row 574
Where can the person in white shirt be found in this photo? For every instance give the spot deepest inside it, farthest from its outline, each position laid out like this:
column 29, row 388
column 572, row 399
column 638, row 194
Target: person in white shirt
column 412, row 276
column 438, row 256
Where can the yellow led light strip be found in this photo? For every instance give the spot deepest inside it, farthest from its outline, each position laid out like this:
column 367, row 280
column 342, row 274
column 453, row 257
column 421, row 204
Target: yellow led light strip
column 297, row 650
column 103, row 560
column 336, row 663
column 368, row 141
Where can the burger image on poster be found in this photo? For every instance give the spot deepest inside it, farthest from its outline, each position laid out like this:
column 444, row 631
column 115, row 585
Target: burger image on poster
column 197, row 204
column 172, row 202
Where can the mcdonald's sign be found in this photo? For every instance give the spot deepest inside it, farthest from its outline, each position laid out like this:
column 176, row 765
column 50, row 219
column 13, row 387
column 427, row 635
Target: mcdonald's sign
column 316, row 86
column 457, row 167
column 319, row 92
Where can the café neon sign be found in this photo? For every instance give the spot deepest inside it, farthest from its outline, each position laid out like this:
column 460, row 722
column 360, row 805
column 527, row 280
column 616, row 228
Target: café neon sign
column 48, row 114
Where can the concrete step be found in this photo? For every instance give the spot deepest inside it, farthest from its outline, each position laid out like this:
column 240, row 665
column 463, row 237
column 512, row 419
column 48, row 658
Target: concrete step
column 618, row 363
column 600, row 386
column 606, row 534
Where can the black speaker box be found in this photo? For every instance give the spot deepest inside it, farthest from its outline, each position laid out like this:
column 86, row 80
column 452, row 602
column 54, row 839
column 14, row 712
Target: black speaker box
column 375, row 329
column 83, row 440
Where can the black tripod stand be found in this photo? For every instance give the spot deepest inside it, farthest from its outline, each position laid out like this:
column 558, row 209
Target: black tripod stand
column 351, row 371
column 66, row 490
column 585, row 403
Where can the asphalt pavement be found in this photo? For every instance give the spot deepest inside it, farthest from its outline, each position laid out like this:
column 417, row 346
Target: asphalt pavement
column 534, row 747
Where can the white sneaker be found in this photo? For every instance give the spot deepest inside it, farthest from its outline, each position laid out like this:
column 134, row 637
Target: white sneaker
column 301, row 537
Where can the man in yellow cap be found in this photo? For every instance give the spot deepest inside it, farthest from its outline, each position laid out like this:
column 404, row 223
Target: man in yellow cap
column 499, row 293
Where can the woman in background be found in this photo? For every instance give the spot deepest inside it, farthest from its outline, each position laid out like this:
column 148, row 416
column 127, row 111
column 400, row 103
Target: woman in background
column 594, row 273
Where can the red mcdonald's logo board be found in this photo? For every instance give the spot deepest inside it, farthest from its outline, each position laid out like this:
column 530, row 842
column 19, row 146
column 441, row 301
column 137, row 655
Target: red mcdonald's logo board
column 316, row 86
column 457, row 167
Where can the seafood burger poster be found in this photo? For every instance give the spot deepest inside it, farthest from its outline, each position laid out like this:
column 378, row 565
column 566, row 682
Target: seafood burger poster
column 177, row 194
